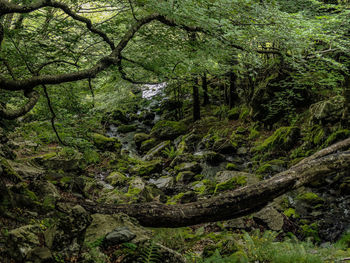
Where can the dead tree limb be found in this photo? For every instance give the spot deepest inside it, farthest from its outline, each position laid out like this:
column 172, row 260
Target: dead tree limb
column 236, row 203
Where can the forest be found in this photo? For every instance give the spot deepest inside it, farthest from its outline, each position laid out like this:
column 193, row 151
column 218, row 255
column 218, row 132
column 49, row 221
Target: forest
column 175, row 131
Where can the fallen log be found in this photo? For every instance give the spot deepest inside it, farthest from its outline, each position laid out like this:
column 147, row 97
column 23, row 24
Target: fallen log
column 235, row 203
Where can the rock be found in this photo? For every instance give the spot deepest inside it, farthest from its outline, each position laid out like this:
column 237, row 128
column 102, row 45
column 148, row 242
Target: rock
column 21, row 241
column 119, row 235
column 136, row 185
column 203, row 187
column 156, row 151
column 211, row 157
column 185, row 177
column 106, row 143
column 224, row 146
column 116, row 179
column 242, row 150
column 26, row 171
column 40, row 255
column 53, row 161
column 183, row 158
column 151, row 194
column 101, row 225
column 237, row 223
column 188, row 197
column 327, row 111
column 141, row 137
column 127, row 128
column 46, row 192
column 68, row 233
column 168, row 130
column 148, row 144
column 192, row 166
column 163, row 182
column 224, row 176
column 145, row 169
column 270, row 217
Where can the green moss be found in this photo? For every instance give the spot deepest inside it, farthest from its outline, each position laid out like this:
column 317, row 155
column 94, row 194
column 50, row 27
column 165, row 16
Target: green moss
column 168, row 129
column 148, row 144
column 204, row 187
column 264, row 169
column 337, row 136
column 127, row 128
column 91, row 157
column 147, row 168
column 8, row 172
column 290, row 212
column 283, row 138
column 231, row 166
column 231, row 184
column 310, row 198
column 311, row 231
column 175, row 199
column 105, row 143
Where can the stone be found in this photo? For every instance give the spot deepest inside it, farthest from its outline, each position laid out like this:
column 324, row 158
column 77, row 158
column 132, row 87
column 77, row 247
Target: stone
column 147, row 168
column 211, row 157
column 168, row 130
column 327, row 111
column 185, row 177
column 22, row 240
column 106, row 143
column 39, row 255
column 148, row 144
column 141, row 137
column 224, row 146
column 156, row 151
column 226, row 175
column 101, row 225
column 116, row 179
column 119, row 235
column 192, row 166
column 163, row 182
column 270, row 217
column 127, row 128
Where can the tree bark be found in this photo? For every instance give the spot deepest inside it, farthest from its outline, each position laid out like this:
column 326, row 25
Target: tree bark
column 196, row 101
column 232, row 94
column 239, row 202
column 205, row 89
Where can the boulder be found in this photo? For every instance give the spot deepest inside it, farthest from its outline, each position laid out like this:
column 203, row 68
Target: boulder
column 145, row 169
column 163, row 182
column 185, row 177
column 192, row 166
column 168, row 130
column 141, row 137
column 119, row 235
column 327, row 111
column 101, row 225
column 116, row 179
column 269, row 217
column 148, row 144
column 156, row 151
column 106, row 143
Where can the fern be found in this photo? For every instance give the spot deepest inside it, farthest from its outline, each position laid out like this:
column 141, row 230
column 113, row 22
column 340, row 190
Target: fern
column 151, row 253
column 170, row 152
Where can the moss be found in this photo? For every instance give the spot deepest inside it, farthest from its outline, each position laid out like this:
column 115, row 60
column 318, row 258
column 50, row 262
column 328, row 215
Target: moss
column 116, row 179
column 311, row 231
column 126, row 128
column 91, row 157
column 290, row 212
column 283, row 138
column 105, row 143
column 337, row 136
column 147, row 168
column 148, row 144
column 231, row 184
column 310, row 198
column 168, row 129
column 231, row 167
column 204, row 187
column 175, row 199
column 8, row 172
column 264, row 169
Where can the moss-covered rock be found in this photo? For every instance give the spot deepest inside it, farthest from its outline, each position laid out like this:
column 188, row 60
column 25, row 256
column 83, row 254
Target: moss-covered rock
column 125, row 128
column 185, row 177
column 327, row 111
column 157, row 150
column 310, row 198
column 116, row 179
column 231, row 167
column 204, row 187
column 168, row 130
column 145, row 169
column 192, row 166
column 148, row 144
column 231, row 184
column 106, row 143
column 141, row 137
column 284, row 138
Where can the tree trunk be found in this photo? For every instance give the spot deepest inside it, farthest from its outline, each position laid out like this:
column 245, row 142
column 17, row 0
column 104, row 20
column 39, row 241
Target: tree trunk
column 196, row 101
column 205, row 89
column 239, row 202
column 232, row 94
column 346, row 94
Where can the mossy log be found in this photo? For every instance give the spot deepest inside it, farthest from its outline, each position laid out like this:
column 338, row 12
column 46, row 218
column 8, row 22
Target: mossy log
column 239, row 202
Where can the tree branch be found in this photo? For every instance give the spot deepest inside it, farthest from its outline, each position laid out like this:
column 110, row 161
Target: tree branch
column 231, row 204
column 10, row 114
